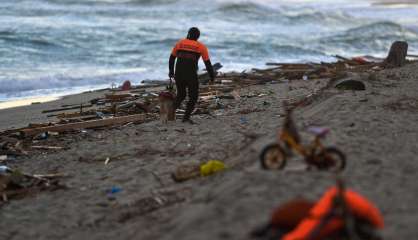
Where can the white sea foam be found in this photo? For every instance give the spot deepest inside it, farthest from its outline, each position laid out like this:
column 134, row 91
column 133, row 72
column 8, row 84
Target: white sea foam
column 50, row 46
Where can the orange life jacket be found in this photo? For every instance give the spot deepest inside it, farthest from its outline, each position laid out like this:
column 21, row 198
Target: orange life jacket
column 287, row 216
column 357, row 204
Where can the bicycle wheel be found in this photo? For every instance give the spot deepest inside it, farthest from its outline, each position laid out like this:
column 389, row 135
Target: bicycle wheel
column 273, row 157
column 331, row 159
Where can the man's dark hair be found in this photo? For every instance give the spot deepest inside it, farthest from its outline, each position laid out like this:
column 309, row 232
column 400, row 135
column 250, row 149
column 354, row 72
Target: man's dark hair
column 193, row 34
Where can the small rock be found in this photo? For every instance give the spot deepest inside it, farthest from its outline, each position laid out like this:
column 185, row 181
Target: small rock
column 374, row 161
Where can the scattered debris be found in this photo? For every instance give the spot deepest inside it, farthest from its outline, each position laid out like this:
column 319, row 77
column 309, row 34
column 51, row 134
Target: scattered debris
column 114, row 190
column 243, row 120
column 15, row 184
column 47, row 147
column 189, row 171
column 11, row 147
column 126, row 86
column 211, row 167
column 81, row 106
column 119, row 107
column 84, row 125
column 204, row 78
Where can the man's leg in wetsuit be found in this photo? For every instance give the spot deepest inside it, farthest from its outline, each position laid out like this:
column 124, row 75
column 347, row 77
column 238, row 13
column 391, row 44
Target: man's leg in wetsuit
column 193, row 92
column 181, row 91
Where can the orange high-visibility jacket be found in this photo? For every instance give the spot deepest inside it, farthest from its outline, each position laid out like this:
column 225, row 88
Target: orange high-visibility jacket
column 358, row 205
column 192, row 49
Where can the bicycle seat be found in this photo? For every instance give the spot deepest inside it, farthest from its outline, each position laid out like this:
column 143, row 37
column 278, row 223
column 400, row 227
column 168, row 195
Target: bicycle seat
column 320, row 132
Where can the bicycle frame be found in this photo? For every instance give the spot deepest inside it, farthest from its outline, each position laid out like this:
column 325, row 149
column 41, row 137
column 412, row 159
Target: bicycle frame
column 306, row 151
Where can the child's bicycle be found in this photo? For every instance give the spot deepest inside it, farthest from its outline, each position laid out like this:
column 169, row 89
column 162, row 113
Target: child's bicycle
column 274, row 156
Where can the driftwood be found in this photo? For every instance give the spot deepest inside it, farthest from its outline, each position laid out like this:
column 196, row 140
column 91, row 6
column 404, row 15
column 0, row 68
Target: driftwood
column 397, row 54
column 341, row 58
column 204, row 78
column 126, row 105
column 86, row 114
column 117, row 97
column 50, row 176
column 67, row 108
column 47, row 147
column 84, row 125
column 14, row 184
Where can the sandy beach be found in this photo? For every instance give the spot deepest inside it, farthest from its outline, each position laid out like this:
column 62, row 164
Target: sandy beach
column 31, row 109
column 376, row 128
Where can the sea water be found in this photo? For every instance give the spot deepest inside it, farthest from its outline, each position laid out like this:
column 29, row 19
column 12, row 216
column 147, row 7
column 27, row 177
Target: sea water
column 61, row 46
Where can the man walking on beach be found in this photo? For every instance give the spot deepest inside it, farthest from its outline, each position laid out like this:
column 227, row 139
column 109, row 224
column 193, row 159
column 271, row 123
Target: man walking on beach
column 188, row 51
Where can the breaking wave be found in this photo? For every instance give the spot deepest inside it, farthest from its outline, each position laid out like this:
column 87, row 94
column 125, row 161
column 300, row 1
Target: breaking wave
column 374, row 38
column 59, row 44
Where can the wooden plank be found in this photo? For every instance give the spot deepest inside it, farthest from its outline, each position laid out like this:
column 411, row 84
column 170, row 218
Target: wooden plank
column 202, row 94
column 296, row 70
column 67, row 108
column 84, row 125
column 118, row 97
column 47, row 147
column 293, row 65
column 75, row 115
column 204, row 77
column 265, row 70
column 52, row 175
column 341, row 58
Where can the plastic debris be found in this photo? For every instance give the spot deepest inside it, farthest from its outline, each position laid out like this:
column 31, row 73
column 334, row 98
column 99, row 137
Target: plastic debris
column 211, row 167
column 4, row 169
column 243, row 120
column 114, row 190
column 189, row 171
column 126, row 85
column 110, row 193
column 225, row 81
column 41, row 136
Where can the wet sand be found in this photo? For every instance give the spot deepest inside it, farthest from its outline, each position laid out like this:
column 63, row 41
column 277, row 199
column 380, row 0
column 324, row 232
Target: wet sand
column 376, row 129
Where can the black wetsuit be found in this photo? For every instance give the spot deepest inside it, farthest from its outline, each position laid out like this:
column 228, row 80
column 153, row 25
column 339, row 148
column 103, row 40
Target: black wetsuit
column 188, row 52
